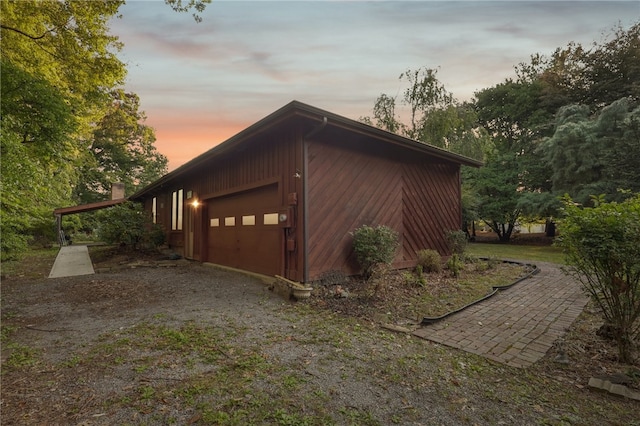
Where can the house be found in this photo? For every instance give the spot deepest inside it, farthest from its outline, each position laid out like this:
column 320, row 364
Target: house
column 282, row 196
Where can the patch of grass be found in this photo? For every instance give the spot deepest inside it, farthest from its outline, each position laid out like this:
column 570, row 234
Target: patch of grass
column 519, row 252
column 449, row 294
column 20, row 356
column 36, row 263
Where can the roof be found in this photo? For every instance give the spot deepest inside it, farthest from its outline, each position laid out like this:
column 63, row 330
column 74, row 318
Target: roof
column 296, row 109
column 88, row 207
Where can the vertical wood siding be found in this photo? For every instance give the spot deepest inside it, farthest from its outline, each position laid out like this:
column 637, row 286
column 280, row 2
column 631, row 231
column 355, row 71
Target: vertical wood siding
column 274, row 156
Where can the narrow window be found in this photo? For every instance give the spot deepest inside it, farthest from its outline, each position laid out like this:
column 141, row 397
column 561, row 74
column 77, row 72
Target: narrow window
column 176, row 210
column 154, row 209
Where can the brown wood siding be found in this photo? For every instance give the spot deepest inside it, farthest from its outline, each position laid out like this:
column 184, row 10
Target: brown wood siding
column 431, row 206
column 348, row 189
column 273, row 157
column 354, row 183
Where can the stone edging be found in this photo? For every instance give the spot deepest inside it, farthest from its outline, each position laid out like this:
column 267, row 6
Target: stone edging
column 431, row 320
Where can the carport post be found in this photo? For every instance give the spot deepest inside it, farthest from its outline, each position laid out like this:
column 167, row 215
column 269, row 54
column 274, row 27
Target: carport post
column 59, row 226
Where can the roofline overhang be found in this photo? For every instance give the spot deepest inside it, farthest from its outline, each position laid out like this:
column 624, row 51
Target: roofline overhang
column 88, row 207
column 299, row 109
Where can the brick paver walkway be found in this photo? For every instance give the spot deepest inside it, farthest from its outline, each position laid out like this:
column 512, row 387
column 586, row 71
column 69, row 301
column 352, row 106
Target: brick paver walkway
column 516, row 326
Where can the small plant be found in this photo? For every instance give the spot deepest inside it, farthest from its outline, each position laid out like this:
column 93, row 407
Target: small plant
column 420, row 276
column 374, row 246
column 455, row 265
column 429, row 260
column 457, row 242
column 493, row 262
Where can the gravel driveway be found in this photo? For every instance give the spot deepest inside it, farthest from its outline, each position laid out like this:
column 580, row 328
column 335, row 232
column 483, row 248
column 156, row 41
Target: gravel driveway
column 191, row 344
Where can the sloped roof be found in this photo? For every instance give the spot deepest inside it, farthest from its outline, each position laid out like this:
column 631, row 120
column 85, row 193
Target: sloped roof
column 298, row 109
column 88, row 207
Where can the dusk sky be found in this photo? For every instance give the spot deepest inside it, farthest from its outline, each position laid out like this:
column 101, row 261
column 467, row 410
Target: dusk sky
column 201, row 83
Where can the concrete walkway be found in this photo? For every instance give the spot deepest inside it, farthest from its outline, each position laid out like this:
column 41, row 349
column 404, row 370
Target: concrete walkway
column 517, row 326
column 72, row 261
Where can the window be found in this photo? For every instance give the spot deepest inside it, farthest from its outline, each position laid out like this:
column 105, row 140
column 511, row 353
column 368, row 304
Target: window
column 154, row 209
column 230, row 221
column 249, row 220
column 271, row 218
column 215, row 222
column 176, row 210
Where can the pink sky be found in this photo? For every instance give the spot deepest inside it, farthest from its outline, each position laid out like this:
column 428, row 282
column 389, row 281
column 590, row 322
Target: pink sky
column 200, row 84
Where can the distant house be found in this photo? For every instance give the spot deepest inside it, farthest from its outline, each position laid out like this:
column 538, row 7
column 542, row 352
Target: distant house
column 282, row 196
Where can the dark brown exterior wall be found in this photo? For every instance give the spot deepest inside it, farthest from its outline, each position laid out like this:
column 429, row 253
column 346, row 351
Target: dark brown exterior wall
column 272, row 157
column 354, row 182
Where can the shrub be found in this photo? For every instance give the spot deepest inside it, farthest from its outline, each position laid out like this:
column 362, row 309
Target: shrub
column 374, row 246
column 129, row 225
column 455, row 265
column 457, row 242
column 429, row 260
column 602, row 248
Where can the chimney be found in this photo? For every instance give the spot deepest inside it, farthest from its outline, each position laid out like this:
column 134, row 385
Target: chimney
column 117, row 191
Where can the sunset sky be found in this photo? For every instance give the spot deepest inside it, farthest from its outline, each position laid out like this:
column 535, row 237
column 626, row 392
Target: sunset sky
column 201, row 83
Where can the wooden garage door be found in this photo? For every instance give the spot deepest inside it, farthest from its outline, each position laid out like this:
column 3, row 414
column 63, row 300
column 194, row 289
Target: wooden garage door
column 243, row 231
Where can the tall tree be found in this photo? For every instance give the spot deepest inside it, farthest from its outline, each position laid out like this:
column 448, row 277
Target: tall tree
column 123, row 150
column 435, row 117
column 595, row 154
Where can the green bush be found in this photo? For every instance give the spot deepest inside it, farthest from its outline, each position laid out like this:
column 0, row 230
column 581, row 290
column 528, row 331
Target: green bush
column 374, row 246
column 602, row 248
column 457, row 242
column 455, row 265
column 129, row 225
column 429, row 260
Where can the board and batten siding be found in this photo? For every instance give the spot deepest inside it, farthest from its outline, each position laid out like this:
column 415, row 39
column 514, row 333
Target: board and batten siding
column 355, row 183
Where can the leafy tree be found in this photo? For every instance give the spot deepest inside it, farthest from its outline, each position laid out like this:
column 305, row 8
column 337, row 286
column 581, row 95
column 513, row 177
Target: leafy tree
column 595, row 154
column 521, row 116
column 122, row 149
column 514, row 116
column 35, row 171
column 59, row 73
column 602, row 247
column 435, row 117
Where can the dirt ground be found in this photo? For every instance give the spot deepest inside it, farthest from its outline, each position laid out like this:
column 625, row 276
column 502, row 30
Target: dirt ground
column 177, row 342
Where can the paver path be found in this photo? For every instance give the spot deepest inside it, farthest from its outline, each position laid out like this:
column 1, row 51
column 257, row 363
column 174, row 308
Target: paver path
column 517, row 326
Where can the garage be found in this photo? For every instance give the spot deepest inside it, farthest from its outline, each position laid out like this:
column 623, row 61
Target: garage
column 244, row 231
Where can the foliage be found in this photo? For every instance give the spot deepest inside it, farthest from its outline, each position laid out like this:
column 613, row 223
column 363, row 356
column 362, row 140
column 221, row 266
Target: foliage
column 374, row 246
column 584, row 155
column 129, row 225
column 435, row 117
column 591, row 154
column 188, row 5
column 457, row 242
column 602, row 247
column 455, row 265
column 34, row 172
column 57, row 61
column 61, row 121
column 429, row 260
column 122, row 151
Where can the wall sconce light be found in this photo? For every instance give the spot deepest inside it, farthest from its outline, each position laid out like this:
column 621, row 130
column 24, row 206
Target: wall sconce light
column 195, row 203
